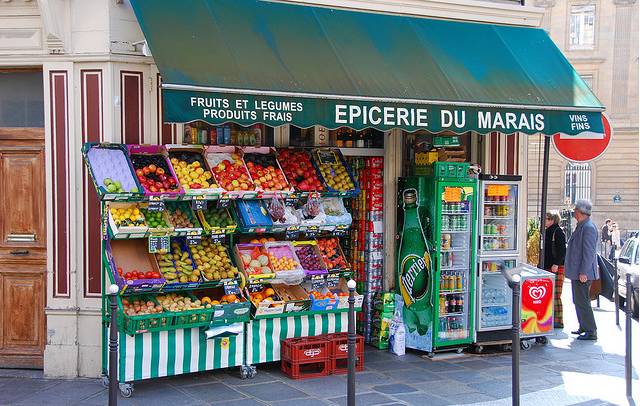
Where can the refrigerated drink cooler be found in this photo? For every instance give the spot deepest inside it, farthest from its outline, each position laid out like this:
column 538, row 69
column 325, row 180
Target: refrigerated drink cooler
column 498, row 252
column 448, row 204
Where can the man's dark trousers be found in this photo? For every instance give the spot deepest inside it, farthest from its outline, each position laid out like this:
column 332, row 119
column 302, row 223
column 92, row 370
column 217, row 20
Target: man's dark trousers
column 583, row 306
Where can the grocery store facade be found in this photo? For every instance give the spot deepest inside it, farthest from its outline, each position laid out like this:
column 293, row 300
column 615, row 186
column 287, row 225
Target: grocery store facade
column 84, row 66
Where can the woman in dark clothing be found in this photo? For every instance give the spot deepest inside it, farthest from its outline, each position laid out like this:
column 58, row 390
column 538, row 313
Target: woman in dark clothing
column 555, row 248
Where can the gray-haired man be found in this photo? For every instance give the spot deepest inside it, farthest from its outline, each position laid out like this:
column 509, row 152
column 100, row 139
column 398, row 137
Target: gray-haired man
column 581, row 268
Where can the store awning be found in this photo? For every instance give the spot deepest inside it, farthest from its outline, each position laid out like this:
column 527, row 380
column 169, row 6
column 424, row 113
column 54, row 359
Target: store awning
column 252, row 61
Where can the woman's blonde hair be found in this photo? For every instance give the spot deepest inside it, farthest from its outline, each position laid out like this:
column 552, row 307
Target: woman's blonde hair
column 553, row 215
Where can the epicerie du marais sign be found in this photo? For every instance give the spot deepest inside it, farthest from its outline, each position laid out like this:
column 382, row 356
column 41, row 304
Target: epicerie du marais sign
column 245, row 109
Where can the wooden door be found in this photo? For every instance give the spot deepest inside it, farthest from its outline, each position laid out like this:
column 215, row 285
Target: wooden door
column 22, row 248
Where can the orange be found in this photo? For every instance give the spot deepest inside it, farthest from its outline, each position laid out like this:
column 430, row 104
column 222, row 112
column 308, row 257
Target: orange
column 269, row 292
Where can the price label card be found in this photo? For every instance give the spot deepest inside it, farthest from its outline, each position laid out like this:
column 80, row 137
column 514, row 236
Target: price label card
column 231, row 287
column 255, row 287
column 159, row 243
column 452, row 194
column 105, row 221
column 497, row 190
column 327, row 157
column 217, row 237
column 341, row 230
column 317, row 282
column 194, row 239
column 223, row 202
column 312, row 231
column 156, row 205
column 333, row 280
column 291, row 199
column 199, row 203
column 291, row 233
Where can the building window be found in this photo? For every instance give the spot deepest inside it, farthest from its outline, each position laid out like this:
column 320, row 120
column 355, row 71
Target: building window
column 588, row 79
column 582, row 27
column 577, row 182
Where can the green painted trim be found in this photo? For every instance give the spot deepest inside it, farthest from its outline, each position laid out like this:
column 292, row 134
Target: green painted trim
column 308, row 313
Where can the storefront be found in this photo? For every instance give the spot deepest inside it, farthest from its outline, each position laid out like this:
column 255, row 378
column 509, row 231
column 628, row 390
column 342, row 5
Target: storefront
column 238, row 78
column 101, row 85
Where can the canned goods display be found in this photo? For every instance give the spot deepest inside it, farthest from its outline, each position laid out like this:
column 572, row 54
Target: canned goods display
column 367, row 247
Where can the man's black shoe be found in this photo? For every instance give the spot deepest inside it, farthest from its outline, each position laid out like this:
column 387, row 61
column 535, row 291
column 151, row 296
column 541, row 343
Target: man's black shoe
column 588, row 337
column 578, row 331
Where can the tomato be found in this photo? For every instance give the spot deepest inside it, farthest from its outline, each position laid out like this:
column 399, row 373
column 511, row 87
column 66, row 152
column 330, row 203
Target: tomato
column 140, row 275
column 148, row 275
column 127, row 275
column 156, row 275
column 119, row 271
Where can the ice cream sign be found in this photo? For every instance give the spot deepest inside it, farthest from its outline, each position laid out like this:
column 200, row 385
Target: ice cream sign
column 537, row 293
column 537, row 306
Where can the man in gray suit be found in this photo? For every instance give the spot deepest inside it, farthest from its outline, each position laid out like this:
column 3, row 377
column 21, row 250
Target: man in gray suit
column 580, row 266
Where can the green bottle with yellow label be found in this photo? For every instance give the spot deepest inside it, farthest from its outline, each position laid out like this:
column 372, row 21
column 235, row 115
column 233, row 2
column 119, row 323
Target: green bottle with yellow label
column 415, row 268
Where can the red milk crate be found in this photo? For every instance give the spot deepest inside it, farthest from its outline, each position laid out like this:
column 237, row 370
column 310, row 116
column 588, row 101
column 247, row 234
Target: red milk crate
column 306, row 370
column 338, row 353
column 306, row 349
column 306, row 357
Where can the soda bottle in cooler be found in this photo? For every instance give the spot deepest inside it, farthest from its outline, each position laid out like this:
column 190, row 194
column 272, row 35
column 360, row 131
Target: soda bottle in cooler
column 414, row 268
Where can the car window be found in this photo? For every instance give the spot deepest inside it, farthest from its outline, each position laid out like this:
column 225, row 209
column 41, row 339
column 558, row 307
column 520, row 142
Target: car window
column 627, row 250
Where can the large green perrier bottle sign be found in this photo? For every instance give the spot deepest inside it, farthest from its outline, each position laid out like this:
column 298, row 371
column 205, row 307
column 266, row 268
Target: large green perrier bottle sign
column 414, row 268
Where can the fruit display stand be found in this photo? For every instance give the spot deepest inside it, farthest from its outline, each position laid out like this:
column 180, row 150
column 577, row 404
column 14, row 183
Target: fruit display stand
column 174, row 252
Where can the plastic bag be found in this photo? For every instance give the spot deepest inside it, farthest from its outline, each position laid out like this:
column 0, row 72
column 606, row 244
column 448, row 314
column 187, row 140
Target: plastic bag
column 313, row 206
column 397, row 332
column 276, row 210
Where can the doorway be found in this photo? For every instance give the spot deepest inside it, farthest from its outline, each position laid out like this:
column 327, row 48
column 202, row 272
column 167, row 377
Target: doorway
column 23, row 247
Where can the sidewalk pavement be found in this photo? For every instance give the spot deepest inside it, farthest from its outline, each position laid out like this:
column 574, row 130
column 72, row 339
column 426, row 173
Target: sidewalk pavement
column 564, row 372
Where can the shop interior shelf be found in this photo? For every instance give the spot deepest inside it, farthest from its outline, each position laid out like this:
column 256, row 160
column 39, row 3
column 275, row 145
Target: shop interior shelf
column 454, row 231
column 498, row 217
column 455, row 268
column 452, row 314
column 454, row 213
column 452, row 292
column 496, row 305
column 454, row 249
column 495, row 235
column 507, row 203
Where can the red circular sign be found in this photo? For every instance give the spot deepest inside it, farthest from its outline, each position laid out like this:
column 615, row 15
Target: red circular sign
column 583, row 148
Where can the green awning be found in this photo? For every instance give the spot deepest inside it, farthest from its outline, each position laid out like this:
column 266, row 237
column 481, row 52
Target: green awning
column 250, row 61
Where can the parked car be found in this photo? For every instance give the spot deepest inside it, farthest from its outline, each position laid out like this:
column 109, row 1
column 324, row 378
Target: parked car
column 629, row 263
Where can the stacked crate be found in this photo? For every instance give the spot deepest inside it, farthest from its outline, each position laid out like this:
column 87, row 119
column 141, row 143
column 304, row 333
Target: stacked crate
column 367, row 239
column 312, row 357
column 383, row 307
